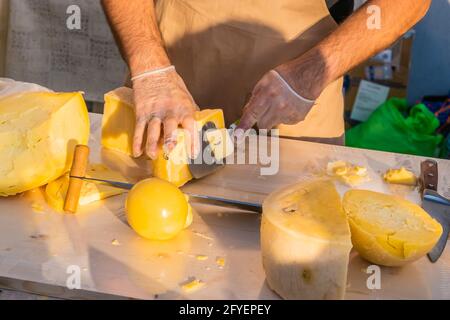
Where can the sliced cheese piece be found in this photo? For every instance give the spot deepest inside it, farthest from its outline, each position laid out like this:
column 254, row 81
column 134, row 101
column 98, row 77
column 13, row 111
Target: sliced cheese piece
column 400, row 176
column 118, row 128
column 38, row 134
column 347, row 173
column 305, row 241
column 55, row 192
column 388, row 230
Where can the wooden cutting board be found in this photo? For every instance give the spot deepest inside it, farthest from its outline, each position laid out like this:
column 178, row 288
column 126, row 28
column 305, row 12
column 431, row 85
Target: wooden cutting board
column 40, row 249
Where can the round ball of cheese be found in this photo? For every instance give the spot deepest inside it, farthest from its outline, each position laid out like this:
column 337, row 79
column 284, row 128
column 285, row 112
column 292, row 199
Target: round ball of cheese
column 388, row 230
column 156, row 209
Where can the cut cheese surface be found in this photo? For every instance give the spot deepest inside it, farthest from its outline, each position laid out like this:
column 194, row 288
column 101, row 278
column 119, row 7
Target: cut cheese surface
column 305, row 241
column 388, row 230
column 38, row 133
column 400, row 176
column 118, row 129
column 118, row 121
column 55, row 191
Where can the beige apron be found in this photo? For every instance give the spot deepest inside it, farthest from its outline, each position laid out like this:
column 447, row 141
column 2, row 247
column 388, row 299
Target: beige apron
column 221, row 48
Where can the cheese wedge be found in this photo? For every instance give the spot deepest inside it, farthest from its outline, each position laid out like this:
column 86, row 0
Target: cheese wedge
column 400, row 176
column 388, row 230
column 118, row 128
column 38, row 134
column 305, row 242
column 55, row 191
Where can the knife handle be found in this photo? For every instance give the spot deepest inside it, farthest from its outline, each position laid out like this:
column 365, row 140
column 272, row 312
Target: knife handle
column 429, row 175
column 79, row 168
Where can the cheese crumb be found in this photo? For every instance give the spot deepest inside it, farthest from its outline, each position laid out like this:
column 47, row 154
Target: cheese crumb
column 192, row 286
column 115, row 242
column 220, row 262
column 201, row 257
column 400, row 176
column 37, row 207
column 201, row 235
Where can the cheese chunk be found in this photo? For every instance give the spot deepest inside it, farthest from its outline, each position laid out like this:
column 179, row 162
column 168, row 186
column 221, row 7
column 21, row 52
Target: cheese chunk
column 305, row 241
column 221, row 143
column 55, row 191
column 388, row 230
column 38, row 134
column 118, row 129
column 400, row 176
column 347, row 173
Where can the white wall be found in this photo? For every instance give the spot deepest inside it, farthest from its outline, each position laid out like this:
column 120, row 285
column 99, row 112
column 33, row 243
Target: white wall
column 430, row 65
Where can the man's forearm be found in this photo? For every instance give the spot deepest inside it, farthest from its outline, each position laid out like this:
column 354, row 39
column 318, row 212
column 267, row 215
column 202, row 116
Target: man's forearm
column 351, row 44
column 136, row 31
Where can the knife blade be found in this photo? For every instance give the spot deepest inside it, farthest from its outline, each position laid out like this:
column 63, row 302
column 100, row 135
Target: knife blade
column 198, row 167
column 436, row 205
column 439, row 208
column 217, row 201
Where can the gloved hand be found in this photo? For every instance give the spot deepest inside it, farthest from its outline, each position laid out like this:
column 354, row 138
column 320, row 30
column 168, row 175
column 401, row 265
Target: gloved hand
column 274, row 102
column 162, row 100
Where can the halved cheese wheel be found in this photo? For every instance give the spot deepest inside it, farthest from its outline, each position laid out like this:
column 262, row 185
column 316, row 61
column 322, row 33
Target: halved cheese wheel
column 305, row 242
column 389, row 230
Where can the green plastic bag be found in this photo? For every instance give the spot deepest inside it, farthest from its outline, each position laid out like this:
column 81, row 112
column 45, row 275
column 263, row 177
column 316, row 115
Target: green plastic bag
column 387, row 129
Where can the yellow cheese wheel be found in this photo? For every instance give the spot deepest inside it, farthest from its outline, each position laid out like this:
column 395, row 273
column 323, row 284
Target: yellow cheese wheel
column 118, row 129
column 38, row 134
column 388, row 230
column 305, row 241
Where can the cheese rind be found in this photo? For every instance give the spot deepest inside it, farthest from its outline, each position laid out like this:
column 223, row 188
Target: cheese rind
column 38, row 134
column 305, row 242
column 388, row 230
column 117, row 134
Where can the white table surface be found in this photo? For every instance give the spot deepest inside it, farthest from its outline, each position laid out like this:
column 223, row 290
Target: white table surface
column 36, row 249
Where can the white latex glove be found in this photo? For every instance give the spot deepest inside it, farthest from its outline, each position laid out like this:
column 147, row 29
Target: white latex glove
column 274, row 102
column 162, row 102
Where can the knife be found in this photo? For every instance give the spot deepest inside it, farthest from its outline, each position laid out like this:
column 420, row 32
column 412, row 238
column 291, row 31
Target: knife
column 436, row 205
column 196, row 198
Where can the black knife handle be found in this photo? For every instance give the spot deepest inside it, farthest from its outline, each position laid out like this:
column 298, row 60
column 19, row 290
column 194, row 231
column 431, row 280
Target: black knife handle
column 429, row 175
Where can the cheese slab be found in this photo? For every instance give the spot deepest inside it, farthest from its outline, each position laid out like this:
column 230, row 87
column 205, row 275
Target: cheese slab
column 38, row 133
column 305, row 241
column 118, row 128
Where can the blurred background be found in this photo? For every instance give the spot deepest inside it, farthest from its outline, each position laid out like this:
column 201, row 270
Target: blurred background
column 34, row 48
